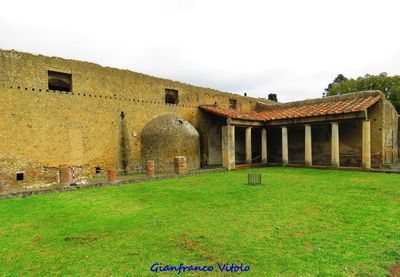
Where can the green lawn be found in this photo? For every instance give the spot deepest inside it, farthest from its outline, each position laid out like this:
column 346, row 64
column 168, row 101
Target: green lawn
column 299, row 222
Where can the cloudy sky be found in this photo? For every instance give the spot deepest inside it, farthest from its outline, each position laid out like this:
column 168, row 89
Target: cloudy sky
column 292, row 48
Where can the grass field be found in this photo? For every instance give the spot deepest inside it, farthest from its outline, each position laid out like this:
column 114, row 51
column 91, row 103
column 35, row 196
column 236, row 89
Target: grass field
column 299, row 222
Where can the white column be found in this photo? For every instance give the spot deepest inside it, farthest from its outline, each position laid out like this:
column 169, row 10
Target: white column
column 308, row 145
column 285, row 150
column 366, row 144
column 335, row 160
column 248, row 145
column 228, row 147
column 264, row 158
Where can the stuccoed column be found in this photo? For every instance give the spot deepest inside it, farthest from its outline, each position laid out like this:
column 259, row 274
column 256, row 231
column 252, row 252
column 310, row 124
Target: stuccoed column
column 285, row 150
column 228, row 147
column 335, row 145
column 308, row 145
column 366, row 144
column 248, row 145
column 264, row 158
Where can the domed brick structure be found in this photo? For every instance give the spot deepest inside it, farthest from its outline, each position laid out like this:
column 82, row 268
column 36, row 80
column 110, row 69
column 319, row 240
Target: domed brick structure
column 168, row 136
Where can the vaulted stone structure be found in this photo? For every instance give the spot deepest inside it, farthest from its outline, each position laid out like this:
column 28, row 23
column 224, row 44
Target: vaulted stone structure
column 168, row 136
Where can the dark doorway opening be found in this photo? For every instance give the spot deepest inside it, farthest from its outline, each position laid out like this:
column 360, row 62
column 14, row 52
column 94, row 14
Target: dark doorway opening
column 296, row 144
column 274, row 145
column 321, row 144
column 256, row 145
column 240, row 148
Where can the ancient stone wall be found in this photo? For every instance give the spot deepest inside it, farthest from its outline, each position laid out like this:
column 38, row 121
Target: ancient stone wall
column 390, row 133
column 97, row 124
column 27, row 70
column 375, row 115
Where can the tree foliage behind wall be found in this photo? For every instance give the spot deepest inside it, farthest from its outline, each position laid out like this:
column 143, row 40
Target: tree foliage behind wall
column 389, row 85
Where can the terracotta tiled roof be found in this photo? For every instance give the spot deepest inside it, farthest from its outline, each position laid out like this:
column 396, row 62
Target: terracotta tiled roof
column 307, row 108
column 231, row 113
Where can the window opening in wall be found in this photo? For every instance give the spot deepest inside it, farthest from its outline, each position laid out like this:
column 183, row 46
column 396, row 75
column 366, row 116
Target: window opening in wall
column 59, row 81
column 19, row 176
column 232, row 104
column 171, row 96
column 98, row 169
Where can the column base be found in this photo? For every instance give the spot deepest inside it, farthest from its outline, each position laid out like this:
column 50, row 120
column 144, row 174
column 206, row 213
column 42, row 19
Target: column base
column 366, row 166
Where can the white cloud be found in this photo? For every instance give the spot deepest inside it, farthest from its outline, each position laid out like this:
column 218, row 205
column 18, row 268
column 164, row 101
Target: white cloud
column 292, row 48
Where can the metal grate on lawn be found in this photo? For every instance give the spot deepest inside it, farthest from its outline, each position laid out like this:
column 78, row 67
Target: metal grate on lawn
column 254, row 178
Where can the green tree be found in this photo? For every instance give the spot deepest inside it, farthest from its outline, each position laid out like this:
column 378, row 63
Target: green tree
column 340, row 78
column 389, row 85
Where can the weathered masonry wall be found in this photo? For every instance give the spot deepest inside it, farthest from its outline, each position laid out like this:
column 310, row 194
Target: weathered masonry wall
column 390, row 133
column 376, row 117
column 27, row 70
column 41, row 129
column 49, row 129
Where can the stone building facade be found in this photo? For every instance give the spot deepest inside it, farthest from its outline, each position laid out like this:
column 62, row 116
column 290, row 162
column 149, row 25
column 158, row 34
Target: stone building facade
column 56, row 111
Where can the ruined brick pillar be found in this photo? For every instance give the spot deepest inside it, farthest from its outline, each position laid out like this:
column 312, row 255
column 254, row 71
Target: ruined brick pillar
column 112, row 175
column 308, row 145
column 150, row 168
column 285, row 150
column 180, row 165
column 65, row 175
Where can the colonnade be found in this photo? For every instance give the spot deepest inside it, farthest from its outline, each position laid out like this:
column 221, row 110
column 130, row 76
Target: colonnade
column 228, row 145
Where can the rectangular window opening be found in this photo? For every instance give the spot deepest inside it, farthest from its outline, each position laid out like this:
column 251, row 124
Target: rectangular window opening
column 232, row 104
column 59, row 81
column 171, row 96
column 20, row 176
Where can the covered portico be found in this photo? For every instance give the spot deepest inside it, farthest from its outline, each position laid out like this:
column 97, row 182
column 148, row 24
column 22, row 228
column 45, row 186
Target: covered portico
column 305, row 133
